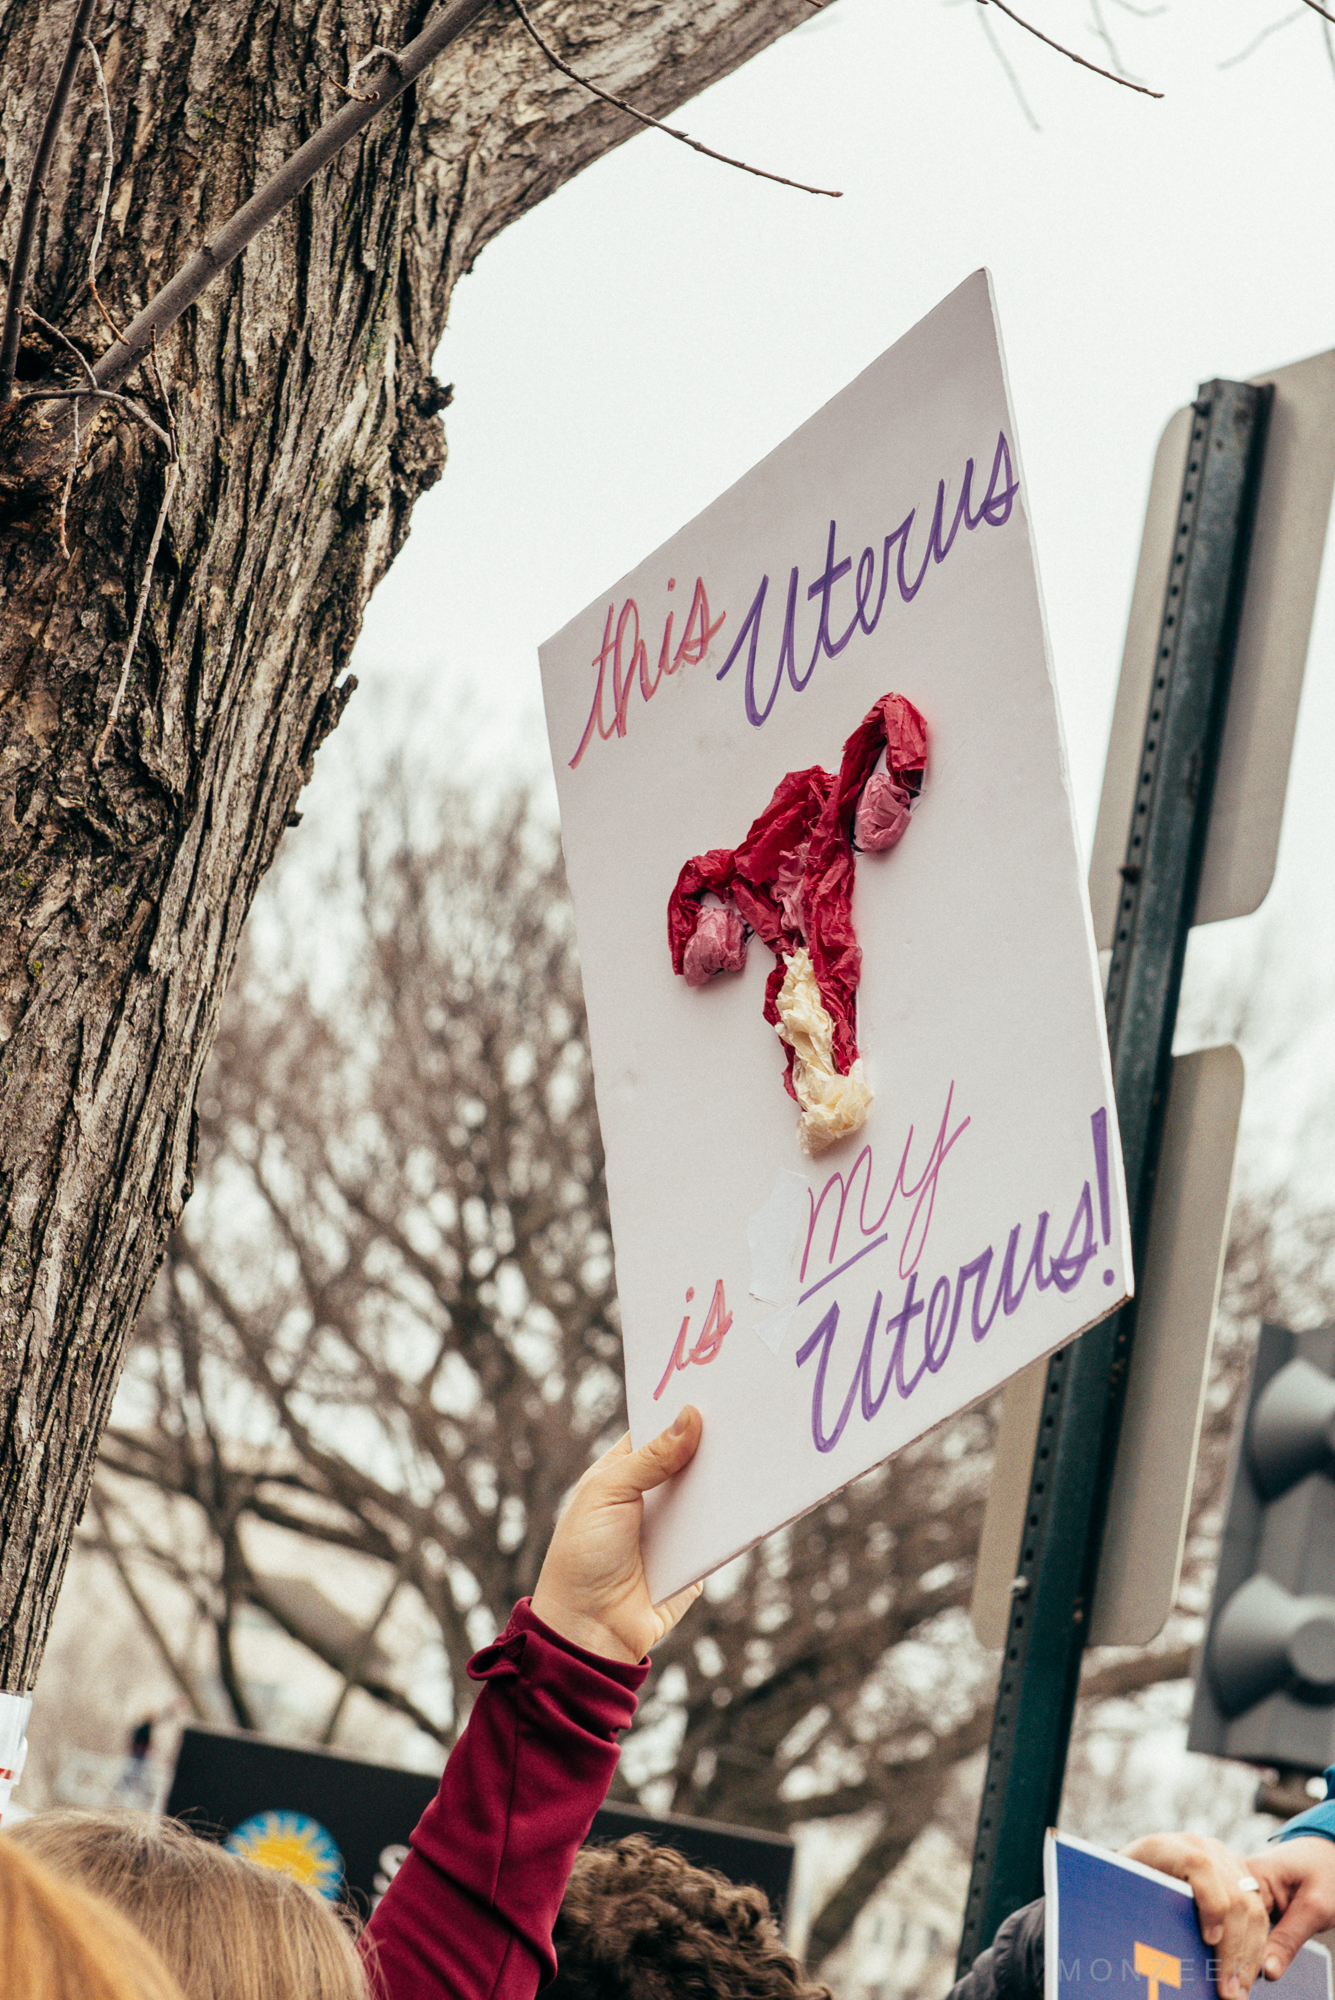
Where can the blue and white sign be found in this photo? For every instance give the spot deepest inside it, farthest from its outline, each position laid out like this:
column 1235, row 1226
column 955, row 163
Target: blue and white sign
column 1117, row 1928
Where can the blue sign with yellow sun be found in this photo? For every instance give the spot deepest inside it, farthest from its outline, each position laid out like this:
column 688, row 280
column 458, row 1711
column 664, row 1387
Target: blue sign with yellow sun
column 294, row 1844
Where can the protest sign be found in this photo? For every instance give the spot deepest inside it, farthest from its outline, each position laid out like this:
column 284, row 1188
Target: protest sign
column 341, row 1824
column 847, row 1031
column 1116, row 1930
column 14, row 1712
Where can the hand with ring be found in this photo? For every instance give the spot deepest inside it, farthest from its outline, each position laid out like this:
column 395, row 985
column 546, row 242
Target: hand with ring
column 1232, row 1905
column 1298, row 1879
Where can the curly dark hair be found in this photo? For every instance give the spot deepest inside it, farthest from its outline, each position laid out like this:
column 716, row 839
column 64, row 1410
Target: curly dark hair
column 641, row 1922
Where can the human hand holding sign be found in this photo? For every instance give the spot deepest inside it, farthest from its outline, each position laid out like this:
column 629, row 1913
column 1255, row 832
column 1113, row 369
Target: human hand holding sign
column 1297, row 1878
column 592, row 1589
column 1232, row 1904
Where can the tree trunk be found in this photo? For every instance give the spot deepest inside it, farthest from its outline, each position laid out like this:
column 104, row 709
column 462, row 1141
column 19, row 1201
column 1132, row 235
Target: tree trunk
column 308, row 426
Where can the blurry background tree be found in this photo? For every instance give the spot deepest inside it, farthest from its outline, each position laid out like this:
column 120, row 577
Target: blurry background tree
column 384, row 1344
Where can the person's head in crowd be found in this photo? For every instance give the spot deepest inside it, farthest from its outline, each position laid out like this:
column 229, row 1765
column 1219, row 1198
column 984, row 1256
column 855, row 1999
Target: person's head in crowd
column 640, row 1922
column 226, row 1928
column 58, row 1942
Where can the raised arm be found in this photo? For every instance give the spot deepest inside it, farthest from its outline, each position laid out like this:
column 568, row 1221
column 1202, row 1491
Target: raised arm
column 469, row 1915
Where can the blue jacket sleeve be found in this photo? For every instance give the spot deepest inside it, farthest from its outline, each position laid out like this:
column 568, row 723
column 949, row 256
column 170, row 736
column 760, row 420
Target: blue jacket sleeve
column 1318, row 1819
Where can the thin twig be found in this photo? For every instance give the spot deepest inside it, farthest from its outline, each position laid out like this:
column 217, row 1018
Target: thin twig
column 46, row 145
column 111, row 1548
column 1011, row 78
column 108, row 164
column 1102, row 31
column 70, row 476
column 173, row 472
column 77, row 396
column 99, row 223
column 1319, row 10
column 85, row 41
column 368, row 96
column 65, row 341
column 68, row 487
column 1330, row 47
column 107, row 320
column 1062, row 50
column 656, row 124
column 173, row 443
column 1231, row 62
column 355, row 1665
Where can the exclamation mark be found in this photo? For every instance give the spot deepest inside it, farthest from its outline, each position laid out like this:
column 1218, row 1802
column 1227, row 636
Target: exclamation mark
column 1099, row 1129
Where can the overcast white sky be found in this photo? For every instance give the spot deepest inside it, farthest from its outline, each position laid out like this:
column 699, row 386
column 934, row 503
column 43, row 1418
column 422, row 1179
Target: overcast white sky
column 631, row 347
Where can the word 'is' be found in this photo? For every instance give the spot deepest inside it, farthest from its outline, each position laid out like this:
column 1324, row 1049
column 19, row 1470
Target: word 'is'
column 717, row 1321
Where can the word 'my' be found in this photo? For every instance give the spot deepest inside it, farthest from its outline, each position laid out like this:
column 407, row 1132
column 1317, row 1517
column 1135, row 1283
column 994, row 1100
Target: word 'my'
column 922, row 1192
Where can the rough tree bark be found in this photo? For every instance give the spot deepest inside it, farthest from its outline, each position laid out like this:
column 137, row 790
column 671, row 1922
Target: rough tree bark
column 309, row 425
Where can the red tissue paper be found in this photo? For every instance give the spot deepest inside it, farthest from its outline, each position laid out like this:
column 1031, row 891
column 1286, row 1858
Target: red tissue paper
column 791, row 882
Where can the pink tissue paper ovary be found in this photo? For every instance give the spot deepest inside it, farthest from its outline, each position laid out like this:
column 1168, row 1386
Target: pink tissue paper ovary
column 791, row 883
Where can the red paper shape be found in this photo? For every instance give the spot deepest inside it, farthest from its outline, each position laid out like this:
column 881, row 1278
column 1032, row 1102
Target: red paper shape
column 791, row 879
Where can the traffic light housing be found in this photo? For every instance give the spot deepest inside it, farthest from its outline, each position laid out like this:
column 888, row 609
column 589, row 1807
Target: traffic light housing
column 1265, row 1683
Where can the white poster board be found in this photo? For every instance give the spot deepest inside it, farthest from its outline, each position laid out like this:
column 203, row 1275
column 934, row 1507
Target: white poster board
column 824, row 1311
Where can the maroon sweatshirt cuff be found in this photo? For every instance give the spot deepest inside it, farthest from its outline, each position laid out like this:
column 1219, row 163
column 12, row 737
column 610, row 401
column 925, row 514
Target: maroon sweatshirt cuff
column 527, row 1634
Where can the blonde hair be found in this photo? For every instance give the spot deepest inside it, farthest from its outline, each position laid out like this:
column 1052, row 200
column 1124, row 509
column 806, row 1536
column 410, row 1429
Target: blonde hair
column 59, row 1943
column 228, row 1929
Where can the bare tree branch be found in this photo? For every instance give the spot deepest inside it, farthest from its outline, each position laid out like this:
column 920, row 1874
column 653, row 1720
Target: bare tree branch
column 213, row 256
column 656, row 124
column 1231, row 62
column 1125, row 81
column 108, row 165
column 81, row 395
column 1012, row 79
column 109, row 1546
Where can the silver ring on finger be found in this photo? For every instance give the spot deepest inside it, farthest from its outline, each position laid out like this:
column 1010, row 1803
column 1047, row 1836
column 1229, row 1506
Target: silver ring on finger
column 1249, row 1882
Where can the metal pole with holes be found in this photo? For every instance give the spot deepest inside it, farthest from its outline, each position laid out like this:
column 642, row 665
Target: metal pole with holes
column 1077, row 1438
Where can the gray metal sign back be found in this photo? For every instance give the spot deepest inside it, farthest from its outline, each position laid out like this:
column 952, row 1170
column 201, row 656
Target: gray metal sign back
column 1165, row 1392
column 1293, row 510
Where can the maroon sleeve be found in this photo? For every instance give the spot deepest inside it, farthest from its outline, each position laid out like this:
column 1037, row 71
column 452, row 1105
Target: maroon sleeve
column 469, row 1915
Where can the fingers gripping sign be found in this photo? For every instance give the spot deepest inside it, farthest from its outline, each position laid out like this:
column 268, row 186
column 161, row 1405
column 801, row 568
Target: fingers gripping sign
column 592, row 1588
column 1298, row 1878
column 1232, row 1905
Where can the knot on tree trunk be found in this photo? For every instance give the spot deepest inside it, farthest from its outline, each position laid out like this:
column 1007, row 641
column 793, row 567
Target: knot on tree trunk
column 35, row 441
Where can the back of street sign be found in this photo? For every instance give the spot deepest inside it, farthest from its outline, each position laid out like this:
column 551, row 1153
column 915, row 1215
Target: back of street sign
column 1293, row 508
column 1170, row 1364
